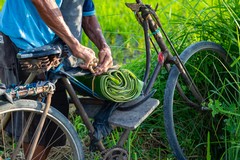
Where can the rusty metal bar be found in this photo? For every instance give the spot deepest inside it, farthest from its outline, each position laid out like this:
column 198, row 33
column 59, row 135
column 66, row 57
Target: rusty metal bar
column 82, row 112
column 31, row 77
column 123, row 138
column 39, row 127
column 21, row 138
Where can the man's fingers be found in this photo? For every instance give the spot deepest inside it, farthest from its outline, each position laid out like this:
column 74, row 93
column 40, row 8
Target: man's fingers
column 101, row 58
column 102, row 68
column 90, row 65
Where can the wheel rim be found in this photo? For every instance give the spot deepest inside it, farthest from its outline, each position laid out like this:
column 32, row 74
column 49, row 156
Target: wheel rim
column 57, row 152
column 202, row 122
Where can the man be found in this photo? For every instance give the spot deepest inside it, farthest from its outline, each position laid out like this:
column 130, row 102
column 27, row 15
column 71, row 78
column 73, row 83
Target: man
column 34, row 23
column 41, row 19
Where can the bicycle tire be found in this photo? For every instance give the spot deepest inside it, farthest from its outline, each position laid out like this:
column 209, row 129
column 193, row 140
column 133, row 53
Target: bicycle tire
column 169, row 101
column 72, row 149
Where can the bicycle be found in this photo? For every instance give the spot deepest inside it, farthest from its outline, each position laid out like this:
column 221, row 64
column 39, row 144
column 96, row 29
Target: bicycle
column 49, row 59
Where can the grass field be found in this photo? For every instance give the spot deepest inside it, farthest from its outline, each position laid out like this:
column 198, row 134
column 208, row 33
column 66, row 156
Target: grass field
column 185, row 22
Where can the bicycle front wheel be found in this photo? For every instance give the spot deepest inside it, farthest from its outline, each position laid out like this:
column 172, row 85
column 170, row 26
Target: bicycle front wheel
column 187, row 129
column 58, row 138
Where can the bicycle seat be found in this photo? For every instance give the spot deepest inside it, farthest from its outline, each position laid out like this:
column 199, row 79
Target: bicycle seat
column 46, row 50
column 42, row 58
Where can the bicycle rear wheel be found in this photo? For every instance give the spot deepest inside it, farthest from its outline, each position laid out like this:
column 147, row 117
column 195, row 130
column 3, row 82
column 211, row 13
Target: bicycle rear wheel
column 57, row 134
column 207, row 65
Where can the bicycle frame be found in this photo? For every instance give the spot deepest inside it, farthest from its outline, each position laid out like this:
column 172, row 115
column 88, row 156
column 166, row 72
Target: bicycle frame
column 148, row 19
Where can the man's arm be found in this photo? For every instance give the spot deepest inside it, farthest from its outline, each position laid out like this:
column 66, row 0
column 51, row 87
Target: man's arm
column 93, row 30
column 52, row 16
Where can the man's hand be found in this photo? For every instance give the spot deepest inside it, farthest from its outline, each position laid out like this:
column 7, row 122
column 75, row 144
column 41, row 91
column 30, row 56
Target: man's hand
column 93, row 30
column 84, row 53
column 89, row 58
column 105, row 61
